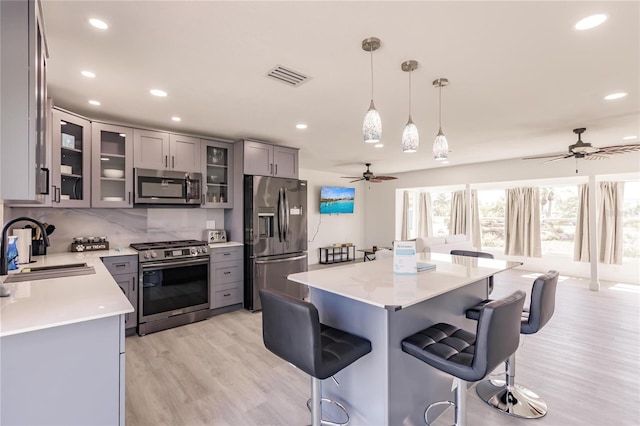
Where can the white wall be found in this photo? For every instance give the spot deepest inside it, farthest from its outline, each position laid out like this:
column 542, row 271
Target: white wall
column 381, row 199
column 332, row 228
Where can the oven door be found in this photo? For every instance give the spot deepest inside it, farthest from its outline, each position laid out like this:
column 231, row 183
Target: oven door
column 172, row 287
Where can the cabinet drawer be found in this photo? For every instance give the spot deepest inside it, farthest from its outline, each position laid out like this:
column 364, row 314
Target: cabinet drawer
column 117, row 265
column 227, row 272
column 229, row 253
column 227, row 297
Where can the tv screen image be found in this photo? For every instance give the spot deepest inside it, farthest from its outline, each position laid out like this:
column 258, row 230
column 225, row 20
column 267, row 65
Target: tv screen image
column 335, row 199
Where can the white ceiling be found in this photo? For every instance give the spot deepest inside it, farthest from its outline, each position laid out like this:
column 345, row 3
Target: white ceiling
column 521, row 78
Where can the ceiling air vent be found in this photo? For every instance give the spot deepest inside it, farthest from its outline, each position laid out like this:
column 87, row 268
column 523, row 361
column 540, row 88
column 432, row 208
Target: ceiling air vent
column 287, row 76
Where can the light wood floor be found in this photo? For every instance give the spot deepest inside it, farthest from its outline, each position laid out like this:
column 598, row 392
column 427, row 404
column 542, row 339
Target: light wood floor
column 585, row 364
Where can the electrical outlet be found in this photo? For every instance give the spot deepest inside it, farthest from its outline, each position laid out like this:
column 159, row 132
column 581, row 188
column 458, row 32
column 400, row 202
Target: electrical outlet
column 211, row 224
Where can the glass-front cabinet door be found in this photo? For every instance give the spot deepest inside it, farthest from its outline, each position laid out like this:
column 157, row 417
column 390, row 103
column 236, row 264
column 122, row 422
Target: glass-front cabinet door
column 70, row 160
column 112, row 166
column 217, row 160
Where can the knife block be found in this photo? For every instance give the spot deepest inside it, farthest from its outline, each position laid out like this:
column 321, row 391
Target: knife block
column 38, row 248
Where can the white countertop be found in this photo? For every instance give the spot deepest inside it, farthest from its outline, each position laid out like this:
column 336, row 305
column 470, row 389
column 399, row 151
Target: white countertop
column 224, row 245
column 375, row 283
column 39, row 304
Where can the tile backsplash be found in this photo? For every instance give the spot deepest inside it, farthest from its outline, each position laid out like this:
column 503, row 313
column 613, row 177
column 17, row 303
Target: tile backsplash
column 121, row 226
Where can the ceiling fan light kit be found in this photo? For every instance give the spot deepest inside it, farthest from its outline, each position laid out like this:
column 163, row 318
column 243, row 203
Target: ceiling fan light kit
column 440, row 144
column 410, row 137
column 372, row 125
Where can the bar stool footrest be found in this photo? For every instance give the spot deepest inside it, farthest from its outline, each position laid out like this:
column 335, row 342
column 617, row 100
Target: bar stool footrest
column 337, row 404
column 517, row 401
column 435, row 404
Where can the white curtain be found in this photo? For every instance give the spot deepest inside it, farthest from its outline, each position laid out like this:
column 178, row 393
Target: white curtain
column 610, row 221
column 476, row 232
column 425, row 227
column 581, row 251
column 522, row 222
column 458, row 215
column 404, row 232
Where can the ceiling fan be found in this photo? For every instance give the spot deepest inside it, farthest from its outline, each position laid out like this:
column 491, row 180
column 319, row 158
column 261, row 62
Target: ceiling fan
column 369, row 176
column 585, row 150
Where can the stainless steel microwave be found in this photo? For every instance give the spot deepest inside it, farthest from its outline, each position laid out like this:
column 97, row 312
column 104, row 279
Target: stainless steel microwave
column 167, row 187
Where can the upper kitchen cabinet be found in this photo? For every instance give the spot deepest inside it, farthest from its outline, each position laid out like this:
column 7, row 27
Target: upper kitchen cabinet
column 23, row 104
column 164, row 151
column 217, row 171
column 71, row 160
column 270, row 160
column 111, row 166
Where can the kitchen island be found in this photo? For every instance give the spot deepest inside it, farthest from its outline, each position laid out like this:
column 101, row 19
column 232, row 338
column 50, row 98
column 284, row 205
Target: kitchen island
column 62, row 346
column 387, row 386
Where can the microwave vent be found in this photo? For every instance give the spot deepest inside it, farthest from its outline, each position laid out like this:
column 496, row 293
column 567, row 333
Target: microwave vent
column 287, row 76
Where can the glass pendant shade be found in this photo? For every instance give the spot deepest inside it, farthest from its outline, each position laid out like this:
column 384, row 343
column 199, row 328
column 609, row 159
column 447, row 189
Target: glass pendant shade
column 410, row 138
column 440, row 147
column 372, row 125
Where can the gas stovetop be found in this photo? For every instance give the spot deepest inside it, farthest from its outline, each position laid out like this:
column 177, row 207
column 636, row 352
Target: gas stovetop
column 166, row 250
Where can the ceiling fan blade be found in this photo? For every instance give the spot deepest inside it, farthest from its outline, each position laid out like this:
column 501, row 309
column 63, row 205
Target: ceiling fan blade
column 357, row 180
column 381, row 178
column 562, row 157
column 351, row 177
column 539, row 157
column 598, row 156
column 620, row 149
column 375, row 180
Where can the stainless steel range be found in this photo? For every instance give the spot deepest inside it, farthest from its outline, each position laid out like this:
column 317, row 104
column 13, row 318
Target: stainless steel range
column 173, row 284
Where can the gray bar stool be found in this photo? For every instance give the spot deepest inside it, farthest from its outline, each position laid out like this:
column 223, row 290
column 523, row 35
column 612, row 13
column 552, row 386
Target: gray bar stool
column 471, row 253
column 507, row 396
column 467, row 356
column 291, row 329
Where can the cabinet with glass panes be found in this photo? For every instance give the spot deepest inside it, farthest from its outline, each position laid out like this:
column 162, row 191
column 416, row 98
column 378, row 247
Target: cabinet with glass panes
column 70, row 159
column 217, row 163
column 112, row 166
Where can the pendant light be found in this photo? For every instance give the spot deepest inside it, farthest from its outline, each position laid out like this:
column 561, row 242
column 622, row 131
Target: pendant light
column 410, row 138
column 372, row 125
column 440, row 145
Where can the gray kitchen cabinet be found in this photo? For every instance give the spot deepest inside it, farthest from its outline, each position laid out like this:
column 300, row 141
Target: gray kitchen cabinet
column 263, row 159
column 112, row 166
column 124, row 270
column 217, row 172
column 165, row 151
column 70, row 160
column 227, row 276
column 23, row 104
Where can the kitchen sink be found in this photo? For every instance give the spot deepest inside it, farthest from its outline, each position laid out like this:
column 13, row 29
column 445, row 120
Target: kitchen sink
column 48, row 272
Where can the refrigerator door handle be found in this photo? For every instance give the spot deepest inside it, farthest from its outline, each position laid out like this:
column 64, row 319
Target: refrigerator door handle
column 287, row 259
column 286, row 215
column 281, row 218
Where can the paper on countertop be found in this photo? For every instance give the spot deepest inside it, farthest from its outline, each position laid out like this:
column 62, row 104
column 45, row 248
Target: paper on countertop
column 404, row 257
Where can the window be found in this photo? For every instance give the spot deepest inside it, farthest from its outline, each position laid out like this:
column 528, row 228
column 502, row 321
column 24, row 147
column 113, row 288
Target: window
column 491, row 209
column 558, row 212
column 631, row 220
column 412, row 215
column 441, row 205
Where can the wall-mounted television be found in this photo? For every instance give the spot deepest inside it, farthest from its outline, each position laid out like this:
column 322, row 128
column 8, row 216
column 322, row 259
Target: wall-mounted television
column 334, row 199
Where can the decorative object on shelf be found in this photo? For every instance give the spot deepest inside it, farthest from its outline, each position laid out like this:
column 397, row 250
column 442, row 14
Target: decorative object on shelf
column 81, row 244
column 113, row 173
column 410, row 137
column 68, row 141
column 215, row 156
column 372, row 125
column 67, row 170
column 440, row 145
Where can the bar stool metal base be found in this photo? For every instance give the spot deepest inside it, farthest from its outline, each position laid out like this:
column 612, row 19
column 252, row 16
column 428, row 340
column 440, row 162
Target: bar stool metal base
column 517, row 401
column 314, row 404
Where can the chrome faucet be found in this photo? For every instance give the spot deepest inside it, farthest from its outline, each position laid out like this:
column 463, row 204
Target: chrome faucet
column 4, row 264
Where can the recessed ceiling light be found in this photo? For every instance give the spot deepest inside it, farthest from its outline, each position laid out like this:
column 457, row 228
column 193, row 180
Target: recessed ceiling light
column 158, row 92
column 301, row 126
column 629, row 138
column 176, row 118
column 92, row 102
column 379, row 145
column 590, row 22
column 98, row 23
column 88, row 74
column 615, row 96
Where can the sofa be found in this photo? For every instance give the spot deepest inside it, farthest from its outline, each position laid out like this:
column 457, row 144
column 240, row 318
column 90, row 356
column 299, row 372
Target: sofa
column 443, row 244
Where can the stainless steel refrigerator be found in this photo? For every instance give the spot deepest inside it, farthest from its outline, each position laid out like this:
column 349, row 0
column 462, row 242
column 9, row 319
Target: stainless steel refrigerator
column 275, row 224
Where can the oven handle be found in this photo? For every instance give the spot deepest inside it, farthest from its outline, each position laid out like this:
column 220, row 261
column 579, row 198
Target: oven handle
column 169, row 264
